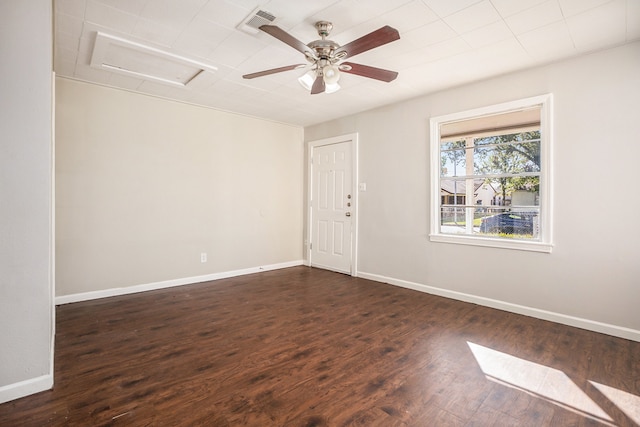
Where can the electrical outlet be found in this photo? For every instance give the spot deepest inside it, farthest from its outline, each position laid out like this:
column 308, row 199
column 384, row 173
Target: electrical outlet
column 203, row 257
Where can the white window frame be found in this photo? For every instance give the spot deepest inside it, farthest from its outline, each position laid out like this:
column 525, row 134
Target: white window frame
column 544, row 243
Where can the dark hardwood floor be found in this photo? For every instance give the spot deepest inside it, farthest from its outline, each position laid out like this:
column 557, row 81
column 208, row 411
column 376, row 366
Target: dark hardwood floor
column 307, row 347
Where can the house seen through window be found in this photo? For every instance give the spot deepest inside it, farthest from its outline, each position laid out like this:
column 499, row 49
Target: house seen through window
column 492, row 181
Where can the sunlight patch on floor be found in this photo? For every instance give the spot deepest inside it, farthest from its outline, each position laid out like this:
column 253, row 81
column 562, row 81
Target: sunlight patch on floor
column 627, row 402
column 542, row 381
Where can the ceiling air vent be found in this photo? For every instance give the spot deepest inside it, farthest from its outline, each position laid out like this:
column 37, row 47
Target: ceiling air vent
column 252, row 23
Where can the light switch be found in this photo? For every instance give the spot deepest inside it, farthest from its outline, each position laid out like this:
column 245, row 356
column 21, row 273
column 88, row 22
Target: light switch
column 362, row 186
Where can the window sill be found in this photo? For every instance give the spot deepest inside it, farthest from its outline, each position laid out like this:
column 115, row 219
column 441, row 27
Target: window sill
column 519, row 245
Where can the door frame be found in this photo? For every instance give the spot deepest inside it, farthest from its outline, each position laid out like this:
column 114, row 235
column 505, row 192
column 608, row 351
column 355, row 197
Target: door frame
column 353, row 138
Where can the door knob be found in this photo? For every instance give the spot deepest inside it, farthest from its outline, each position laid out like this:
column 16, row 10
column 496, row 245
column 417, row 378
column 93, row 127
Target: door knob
column 348, row 213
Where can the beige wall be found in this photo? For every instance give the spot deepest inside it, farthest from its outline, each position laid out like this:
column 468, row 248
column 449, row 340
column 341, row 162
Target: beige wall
column 594, row 270
column 26, row 250
column 145, row 185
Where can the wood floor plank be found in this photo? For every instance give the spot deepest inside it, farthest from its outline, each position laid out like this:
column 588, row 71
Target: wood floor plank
column 307, row 347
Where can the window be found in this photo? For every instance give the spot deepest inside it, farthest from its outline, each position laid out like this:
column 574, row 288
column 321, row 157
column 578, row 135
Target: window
column 491, row 171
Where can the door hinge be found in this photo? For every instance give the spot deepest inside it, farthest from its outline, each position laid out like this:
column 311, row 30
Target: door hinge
column 310, row 245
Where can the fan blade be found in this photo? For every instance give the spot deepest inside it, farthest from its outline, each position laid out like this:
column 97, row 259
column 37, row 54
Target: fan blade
column 377, row 38
column 272, row 71
column 285, row 37
column 318, row 85
column 371, row 72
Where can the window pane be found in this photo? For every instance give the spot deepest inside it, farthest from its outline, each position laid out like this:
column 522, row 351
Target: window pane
column 452, row 220
column 510, row 223
column 516, row 192
column 453, row 192
column 507, row 158
column 453, row 162
column 452, row 158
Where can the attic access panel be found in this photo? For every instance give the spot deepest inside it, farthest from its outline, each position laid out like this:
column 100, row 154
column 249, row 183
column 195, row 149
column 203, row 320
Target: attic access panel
column 133, row 59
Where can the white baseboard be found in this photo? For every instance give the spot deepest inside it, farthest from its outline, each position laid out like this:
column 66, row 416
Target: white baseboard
column 25, row 388
column 85, row 296
column 591, row 325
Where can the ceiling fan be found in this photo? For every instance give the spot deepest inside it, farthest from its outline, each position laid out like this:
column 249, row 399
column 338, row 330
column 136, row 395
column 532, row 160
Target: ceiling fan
column 326, row 57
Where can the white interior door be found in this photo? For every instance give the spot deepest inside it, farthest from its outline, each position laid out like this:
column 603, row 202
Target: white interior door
column 332, row 207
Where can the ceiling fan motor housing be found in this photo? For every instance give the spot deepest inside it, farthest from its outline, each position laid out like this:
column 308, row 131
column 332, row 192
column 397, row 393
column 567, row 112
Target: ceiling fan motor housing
column 324, row 49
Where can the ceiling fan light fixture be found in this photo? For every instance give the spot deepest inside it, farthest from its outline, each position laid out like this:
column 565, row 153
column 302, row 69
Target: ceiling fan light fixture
column 307, row 79
column 331, row 87
column 331, row 74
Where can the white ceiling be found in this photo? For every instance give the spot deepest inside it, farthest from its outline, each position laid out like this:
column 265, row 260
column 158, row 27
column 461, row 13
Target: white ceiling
column 443, row 43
